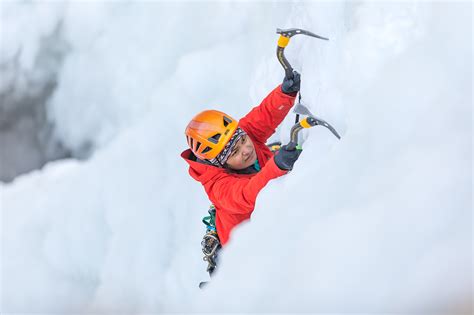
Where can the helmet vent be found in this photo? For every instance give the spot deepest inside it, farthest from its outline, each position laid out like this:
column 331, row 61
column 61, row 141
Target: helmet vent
column 227, row 121
column 215, row 138
column 191, row 144
column 198, row 144
column 207, row 149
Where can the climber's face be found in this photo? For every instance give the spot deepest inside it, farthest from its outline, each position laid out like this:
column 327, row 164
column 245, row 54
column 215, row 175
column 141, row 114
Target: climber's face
column 243, row 154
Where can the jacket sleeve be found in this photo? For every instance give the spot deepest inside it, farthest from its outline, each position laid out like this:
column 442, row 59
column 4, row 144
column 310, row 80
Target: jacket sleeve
column 262, row 120
column 238, row 194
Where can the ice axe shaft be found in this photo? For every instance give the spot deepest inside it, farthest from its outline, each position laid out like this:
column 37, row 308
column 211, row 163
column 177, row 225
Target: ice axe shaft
column 283, row 41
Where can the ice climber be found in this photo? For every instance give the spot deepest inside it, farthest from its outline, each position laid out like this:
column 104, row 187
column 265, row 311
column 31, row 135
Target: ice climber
column 231, row 160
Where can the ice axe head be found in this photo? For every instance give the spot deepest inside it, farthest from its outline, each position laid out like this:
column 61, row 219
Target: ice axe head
column 309, row 122
column 290, row 32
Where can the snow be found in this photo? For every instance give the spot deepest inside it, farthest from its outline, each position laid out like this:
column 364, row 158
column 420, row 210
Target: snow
column 377, row 222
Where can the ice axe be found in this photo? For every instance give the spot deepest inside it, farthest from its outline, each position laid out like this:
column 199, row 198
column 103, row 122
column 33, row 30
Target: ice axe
column 307, row 122
column 283, row 41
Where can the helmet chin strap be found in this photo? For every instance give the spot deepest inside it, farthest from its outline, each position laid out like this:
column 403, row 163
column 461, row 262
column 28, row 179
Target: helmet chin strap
column 223, row 166
column 218, row 162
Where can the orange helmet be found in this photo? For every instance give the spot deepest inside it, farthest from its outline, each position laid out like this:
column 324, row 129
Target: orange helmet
column 208, row 133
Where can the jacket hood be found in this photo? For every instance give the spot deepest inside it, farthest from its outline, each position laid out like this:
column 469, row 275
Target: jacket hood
column 200, row 171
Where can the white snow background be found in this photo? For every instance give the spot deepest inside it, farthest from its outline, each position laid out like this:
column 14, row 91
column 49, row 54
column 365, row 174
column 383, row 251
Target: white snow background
column 380, row 221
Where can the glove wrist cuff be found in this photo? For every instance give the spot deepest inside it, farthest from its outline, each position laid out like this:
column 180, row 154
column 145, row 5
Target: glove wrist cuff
column 293, row 94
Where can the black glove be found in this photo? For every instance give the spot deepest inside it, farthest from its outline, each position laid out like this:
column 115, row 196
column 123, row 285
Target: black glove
column 291, row 85
column 286, row 157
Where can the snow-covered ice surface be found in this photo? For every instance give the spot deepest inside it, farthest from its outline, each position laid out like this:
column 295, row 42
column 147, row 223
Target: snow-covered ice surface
column 378, row 222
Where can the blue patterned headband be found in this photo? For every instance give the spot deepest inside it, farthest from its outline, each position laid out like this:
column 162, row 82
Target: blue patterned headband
column 222, row 157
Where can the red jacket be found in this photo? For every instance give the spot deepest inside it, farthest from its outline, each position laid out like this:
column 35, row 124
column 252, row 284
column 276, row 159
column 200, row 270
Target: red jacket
column 234, row 195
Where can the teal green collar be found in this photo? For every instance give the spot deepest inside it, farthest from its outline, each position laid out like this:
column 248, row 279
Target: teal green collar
column 256, row 165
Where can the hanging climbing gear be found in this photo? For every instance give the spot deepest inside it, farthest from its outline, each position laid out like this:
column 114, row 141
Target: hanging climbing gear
column 299, row 109
column 210, row 242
